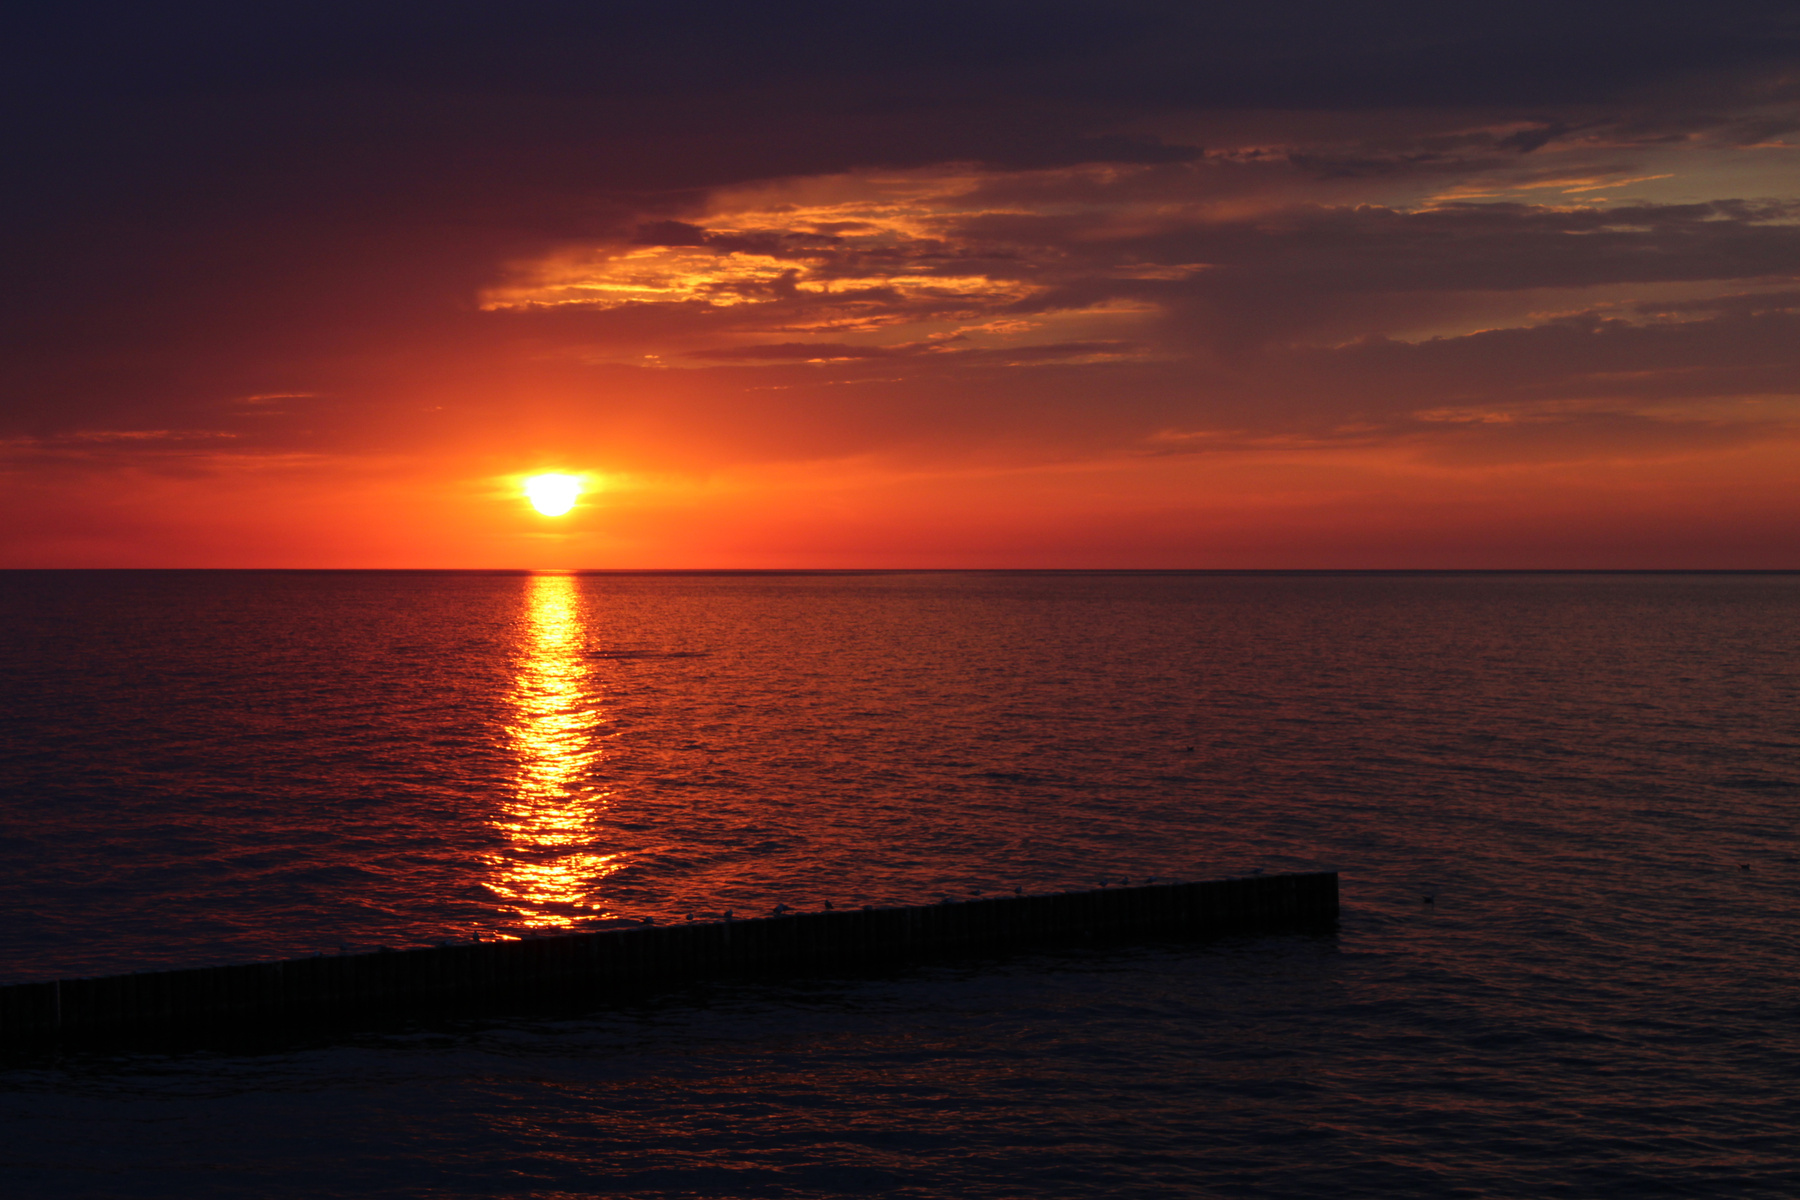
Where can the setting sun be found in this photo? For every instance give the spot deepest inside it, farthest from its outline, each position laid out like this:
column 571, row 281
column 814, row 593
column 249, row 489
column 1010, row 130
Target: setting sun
column 552, row 495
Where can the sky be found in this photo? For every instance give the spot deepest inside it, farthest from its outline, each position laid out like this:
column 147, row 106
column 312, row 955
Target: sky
column 1134, row 284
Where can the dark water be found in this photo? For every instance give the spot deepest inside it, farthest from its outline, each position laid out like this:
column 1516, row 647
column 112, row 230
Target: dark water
column 1594, row 776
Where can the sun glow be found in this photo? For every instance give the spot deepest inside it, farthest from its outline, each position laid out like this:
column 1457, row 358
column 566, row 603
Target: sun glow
column 553, row 495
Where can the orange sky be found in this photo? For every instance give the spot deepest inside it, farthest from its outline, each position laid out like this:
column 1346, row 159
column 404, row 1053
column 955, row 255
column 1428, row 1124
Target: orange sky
column 1027, row 326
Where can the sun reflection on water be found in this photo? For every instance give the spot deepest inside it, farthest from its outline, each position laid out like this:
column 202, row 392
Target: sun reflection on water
column 550, row 865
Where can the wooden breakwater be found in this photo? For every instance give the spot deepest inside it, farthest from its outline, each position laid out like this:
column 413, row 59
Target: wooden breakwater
column 594, row 964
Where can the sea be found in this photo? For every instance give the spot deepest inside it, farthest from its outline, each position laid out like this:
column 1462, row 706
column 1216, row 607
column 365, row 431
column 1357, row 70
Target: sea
column 1563, row 807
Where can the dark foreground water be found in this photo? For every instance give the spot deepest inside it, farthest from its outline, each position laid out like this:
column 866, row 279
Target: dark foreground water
column 1594, row 776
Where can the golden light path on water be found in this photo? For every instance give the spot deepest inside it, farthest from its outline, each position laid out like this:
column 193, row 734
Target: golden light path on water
column 549, row 868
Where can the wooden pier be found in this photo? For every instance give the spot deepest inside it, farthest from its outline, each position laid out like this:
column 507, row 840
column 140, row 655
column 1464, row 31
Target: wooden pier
column 597, row 964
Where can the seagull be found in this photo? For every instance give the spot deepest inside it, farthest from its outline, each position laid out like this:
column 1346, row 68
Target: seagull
column 779, row 909
column 1152, row 879
column 828, row 906
column 1430, row 899
column 728, row 914
column 1018, row 891
column 690, row 916
column 1256, row 870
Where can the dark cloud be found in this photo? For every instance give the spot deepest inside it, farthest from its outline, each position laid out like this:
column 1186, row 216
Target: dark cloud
column 1585, row 437
column 947, row 350
column 1742, row 304
column 1283, row 272
column 1663, row 387
column 807, row 352
column 1580, row 358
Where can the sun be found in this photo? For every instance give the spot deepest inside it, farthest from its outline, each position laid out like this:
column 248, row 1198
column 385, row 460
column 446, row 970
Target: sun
column 553, row 495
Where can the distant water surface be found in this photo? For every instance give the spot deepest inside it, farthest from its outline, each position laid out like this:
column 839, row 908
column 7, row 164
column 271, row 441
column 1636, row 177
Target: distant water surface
column 1594, row 777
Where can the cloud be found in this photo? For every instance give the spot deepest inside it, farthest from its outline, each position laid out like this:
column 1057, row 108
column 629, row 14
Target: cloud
column 900, row 257
column 943, row 351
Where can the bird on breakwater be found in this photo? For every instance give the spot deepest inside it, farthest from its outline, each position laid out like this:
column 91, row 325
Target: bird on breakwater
column 778, row 910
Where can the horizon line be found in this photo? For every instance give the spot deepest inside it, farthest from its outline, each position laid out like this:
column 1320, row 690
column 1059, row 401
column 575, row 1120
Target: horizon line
column 751, row 571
